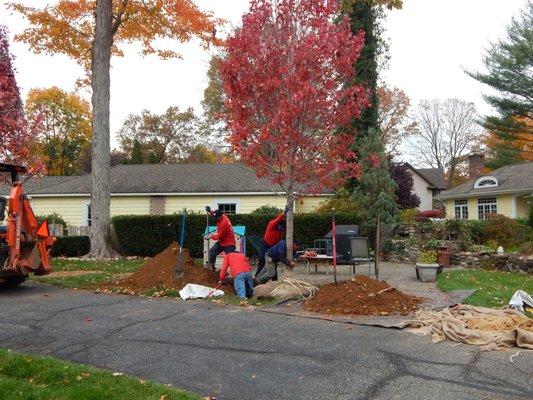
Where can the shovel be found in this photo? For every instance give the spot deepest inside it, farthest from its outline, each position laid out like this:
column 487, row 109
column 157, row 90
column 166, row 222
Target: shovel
column 179, row 265
column 212, row 292
column 207, row 211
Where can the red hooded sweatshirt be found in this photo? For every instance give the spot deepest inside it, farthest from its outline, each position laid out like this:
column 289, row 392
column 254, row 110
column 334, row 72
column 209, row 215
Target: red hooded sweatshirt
column 272, row 234
column 237, row 263
column 224, row 233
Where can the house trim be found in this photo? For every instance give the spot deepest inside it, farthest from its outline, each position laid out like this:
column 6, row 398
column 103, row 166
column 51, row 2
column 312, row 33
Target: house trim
column 178, row 194
column 484, row 194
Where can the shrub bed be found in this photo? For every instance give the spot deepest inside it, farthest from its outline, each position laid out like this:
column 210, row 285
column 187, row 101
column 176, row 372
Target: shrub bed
column 148, row 235
column 71, row 246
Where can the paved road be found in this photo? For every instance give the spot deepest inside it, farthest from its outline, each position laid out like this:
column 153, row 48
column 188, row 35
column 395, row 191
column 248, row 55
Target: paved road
column 243, row 354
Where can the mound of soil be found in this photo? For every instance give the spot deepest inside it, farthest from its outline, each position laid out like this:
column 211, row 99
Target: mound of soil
column 361, row 296
column 506, row 323
column 159, row 273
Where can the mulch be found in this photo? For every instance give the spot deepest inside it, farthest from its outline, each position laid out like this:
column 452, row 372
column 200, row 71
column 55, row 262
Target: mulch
column 361, row 295
column 159, row 274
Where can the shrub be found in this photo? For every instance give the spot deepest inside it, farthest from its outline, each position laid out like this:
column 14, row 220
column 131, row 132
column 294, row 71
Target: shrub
column 71, row 246
column 426, row 215
column 150, row 234
column 428, row 257
column 408, row 216
column 267, row 210
column 505, row 231
column 527, row 248
column 54, row 218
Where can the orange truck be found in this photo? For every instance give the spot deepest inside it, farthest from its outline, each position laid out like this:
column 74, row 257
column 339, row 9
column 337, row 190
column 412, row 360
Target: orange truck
column 25, row 244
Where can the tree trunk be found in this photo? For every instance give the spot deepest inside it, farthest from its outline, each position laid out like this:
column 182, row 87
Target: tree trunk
column 289, row 234
column 376, row 259
column 101, row 152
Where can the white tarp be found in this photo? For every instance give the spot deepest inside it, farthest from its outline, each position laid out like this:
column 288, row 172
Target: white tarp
column 520, row 299
column 193, row 291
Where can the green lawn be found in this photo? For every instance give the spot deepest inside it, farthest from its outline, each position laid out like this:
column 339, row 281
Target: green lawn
column 106, row 271
column 45, row 378
column 493, row 288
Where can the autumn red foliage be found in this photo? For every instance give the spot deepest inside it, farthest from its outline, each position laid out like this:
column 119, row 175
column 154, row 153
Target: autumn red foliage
column 285, row 77
column 15, row 132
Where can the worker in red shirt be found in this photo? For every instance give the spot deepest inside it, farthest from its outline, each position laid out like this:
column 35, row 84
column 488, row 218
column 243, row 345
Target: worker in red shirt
column 223, row 235
column 241, row 271
column 273, row 234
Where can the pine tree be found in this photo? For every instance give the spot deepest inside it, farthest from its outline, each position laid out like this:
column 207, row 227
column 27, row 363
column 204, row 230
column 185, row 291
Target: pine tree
column 136, row 153
column 509, row 63
column 375, row 192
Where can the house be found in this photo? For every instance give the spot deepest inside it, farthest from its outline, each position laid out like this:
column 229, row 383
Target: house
column 157, row 189
column 427, row 184
column 507, row 191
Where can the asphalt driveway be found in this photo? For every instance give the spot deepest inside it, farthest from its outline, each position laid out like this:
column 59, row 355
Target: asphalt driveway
column 235, row 354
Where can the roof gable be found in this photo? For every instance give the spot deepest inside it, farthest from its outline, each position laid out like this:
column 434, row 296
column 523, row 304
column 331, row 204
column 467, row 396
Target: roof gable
column 518, row 177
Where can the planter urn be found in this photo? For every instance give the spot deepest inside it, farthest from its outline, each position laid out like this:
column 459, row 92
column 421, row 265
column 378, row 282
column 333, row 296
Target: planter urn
column 427, row 272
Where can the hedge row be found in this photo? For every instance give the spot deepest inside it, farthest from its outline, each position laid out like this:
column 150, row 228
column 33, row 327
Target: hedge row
column 71, row 246
column 148, row 235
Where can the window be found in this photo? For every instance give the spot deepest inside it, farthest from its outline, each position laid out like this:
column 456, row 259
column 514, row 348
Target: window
column 486, row 181
column 88, row 216
column 228, row 208
column 486, row 205
column 461, row 209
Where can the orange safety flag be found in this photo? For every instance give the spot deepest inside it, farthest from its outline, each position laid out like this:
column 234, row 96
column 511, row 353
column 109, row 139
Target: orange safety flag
column 43, row 231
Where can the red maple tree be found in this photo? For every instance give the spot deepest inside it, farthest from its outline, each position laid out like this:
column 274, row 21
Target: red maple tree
column 15, row 132
column 285, row 77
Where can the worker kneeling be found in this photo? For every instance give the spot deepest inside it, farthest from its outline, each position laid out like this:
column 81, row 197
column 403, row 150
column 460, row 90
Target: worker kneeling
column 241, row 272
column 273, row 256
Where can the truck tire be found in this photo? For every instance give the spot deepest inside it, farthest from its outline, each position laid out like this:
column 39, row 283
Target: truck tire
column 12, row 281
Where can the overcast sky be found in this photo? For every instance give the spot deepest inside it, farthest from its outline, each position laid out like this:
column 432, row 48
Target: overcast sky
column 431, row 43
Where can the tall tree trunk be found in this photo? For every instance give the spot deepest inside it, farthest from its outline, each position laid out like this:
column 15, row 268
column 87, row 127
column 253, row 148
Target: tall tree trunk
column 101, row 151
column 378, row 234
column 289, row 234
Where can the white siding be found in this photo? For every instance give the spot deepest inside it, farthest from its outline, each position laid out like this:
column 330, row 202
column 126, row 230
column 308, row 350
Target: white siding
column 420, row 187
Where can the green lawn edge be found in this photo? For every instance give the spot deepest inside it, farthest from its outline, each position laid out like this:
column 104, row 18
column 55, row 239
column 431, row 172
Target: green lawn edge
column 45, row 378
column 493, row 289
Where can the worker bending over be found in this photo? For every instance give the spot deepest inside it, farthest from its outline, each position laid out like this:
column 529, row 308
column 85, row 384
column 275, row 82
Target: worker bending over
column 273, row 256
column 241, row 271
column 224, row 236
column 273, row 234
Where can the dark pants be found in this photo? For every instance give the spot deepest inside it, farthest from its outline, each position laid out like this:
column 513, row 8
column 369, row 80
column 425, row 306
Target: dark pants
column 261, row 263
column 215, row 251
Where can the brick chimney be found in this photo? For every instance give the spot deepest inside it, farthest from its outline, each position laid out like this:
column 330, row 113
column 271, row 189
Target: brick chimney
column 476, row 164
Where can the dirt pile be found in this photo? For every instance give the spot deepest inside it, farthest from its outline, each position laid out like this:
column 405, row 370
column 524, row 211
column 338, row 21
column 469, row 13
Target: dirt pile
column 159, row 273
column 361, row 296
column 505, row 323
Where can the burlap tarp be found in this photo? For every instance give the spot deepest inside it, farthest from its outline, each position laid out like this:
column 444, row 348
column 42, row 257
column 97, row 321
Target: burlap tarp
column 286, row 289
column 480, row 326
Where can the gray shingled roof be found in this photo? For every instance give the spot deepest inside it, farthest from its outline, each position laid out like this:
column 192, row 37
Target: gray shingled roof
column 435, row 176
column 511, row 178
column 37, row 183
column 163, row 178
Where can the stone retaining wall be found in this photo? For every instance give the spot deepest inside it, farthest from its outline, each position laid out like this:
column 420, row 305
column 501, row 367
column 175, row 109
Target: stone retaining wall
column 501, row 262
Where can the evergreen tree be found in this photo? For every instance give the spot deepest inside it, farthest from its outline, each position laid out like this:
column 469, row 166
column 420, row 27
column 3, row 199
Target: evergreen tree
column 136, row 153
column 375, row 194
column 509, row 63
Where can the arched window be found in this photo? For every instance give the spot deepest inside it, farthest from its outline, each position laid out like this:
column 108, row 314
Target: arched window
column 485, row 181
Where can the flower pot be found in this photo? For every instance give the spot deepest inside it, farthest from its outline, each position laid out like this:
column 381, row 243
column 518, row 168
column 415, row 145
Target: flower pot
column 427, row 272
